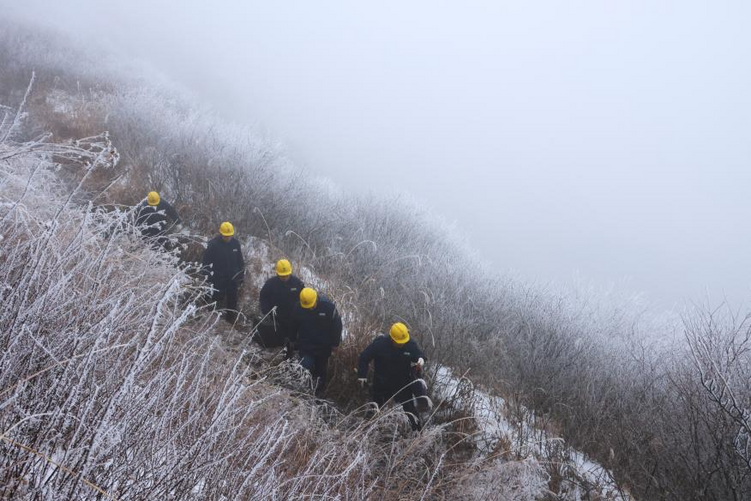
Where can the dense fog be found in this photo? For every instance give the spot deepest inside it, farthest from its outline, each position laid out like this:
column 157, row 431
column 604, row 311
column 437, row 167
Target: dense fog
column 595, row 141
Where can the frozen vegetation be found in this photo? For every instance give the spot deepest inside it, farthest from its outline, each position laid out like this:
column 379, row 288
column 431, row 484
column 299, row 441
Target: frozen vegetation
column 117, row 382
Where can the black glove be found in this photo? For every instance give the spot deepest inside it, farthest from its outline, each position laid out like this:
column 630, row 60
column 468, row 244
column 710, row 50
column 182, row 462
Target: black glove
column 289, row 350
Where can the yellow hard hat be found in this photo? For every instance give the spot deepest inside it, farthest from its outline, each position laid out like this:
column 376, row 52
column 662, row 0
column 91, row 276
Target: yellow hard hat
column 227, row 229
column 399, row 333
column 153, row 198
column 283, row 268
column 308, row 298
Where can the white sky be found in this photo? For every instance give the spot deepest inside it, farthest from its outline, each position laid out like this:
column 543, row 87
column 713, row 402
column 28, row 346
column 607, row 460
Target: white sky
column 605, row 139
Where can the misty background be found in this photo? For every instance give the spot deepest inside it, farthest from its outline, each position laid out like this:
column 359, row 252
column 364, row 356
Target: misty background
column 603, row 141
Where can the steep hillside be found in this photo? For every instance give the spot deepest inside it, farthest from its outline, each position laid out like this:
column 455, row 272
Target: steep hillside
column 100, row 333
column 119, row 382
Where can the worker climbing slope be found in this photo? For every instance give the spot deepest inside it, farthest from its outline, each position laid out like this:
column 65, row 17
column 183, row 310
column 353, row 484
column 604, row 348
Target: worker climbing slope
column 396, row 359
column 154, row 216
column 281, row 292
column 224, row 264
column 317, row 331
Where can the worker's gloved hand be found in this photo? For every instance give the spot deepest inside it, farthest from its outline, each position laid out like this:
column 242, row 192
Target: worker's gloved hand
column 419, row 364
column 363, row 381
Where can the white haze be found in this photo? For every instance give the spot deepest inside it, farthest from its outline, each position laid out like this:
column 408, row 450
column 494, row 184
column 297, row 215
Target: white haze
column 605, row 140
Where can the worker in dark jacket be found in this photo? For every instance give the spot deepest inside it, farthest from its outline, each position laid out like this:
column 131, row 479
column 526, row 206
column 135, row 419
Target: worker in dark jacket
column 224, row 264
column 153, row 217
column 281, row 292
column 317, row 330
column 397, row 360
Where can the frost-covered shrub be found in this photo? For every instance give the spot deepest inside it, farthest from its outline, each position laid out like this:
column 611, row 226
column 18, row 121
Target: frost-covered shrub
column 116, row 383
column 505, row 481
column 614, row 383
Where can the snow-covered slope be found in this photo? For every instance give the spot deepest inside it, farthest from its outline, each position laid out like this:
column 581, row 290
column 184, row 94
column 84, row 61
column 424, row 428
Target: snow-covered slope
column 505, row 435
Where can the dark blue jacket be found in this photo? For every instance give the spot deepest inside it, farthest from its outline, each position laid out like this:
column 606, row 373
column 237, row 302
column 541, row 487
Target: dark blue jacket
column 315, row 331
column 155, row 217
column 225, row 260
column 283, row 295
column 393, row 367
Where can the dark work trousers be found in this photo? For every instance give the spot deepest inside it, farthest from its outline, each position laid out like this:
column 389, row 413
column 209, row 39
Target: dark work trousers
column 406, row 396
column 157, row 238
column 317, row 365
column 226, row 291
column 163, row 242
column 284, row 334
column 273, row 332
